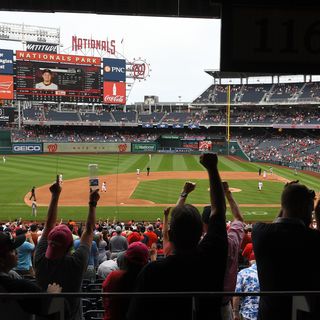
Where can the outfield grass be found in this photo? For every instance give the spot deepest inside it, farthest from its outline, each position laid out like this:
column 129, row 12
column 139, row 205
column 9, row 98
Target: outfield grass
column 158, row 190
column 20, row 173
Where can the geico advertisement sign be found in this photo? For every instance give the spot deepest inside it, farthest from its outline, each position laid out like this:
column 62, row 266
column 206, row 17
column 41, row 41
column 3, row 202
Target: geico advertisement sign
column 27, row 148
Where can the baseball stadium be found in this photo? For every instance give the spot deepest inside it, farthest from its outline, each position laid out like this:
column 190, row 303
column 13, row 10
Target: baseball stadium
column 103, row 193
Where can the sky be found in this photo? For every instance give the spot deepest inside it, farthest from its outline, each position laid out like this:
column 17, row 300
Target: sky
column 177, row 49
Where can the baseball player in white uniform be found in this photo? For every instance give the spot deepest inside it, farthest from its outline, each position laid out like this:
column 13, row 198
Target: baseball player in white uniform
column 264, row 174
column 260, row 185
column 138, row 172
column 104, row 187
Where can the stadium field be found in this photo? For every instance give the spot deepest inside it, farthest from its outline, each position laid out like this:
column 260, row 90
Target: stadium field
column 146, row 196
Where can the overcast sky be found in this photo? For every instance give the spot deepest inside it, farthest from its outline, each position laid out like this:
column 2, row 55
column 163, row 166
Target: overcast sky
column 177, row 49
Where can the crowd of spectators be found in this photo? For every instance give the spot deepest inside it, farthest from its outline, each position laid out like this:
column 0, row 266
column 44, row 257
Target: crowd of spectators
column 256, row 115
column 159, row 256
column 43, row 134
column 289, row 150
column 260, row 93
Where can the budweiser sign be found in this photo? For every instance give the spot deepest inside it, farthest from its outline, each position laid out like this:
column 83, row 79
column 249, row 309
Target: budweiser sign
column 84, row 43
column 114, row 92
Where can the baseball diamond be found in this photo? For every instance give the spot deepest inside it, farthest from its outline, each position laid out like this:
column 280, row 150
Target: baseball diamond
column 130, row 196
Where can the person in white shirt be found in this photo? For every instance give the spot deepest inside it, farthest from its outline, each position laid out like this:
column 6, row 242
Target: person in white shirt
column 138, row 172
column 47, row 83
column 104, row 187
column 260, row 185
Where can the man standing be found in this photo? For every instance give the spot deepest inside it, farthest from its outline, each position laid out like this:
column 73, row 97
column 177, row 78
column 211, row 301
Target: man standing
column 247, row 281
column 53, row 261
column 264, row 174
column 33, row 193
column 34, row 209
column 4, row 159
column 260, row 185
column 138, row 172
column 205, row 259
column 260, row 171
column 286, row 269
column 104, row 187
column 25, row 251
column 148, row 170
column 118, row 243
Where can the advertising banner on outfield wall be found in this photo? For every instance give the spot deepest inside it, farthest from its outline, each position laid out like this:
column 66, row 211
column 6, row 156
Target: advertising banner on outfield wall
column 24, row 148
column 86, row 147
column 143, row 147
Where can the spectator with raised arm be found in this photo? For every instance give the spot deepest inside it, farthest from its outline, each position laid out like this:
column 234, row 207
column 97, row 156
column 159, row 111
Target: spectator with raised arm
column 53, row 260
column 194, row 265
column 281, row 249
column 235, row 237
column 11, row 282
column 187, row 188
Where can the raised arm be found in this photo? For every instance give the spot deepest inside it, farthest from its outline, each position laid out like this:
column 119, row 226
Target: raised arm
column 317, row 212
column 87, row 235
column 187, row 188
column 55, row 190
column 165, row 227
column 235, row 210
column 217, row 199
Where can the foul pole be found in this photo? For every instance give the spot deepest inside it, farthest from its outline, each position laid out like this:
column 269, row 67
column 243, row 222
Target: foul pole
column 228, row 117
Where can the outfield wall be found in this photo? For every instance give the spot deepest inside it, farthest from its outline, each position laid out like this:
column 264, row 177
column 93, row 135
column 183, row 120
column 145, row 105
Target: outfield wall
column 86, row 147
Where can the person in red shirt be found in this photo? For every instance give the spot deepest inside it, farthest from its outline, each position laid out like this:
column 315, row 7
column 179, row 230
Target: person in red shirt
column 136, row 256
column 152, row 237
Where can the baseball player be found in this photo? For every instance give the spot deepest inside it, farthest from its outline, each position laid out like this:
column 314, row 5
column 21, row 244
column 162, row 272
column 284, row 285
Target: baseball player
column 264, row 174
column 260, row 185
column 33, row 194
column 104, row 187
column 4, row 159
column 148, row 171
column 34, row 208
column 138, row 172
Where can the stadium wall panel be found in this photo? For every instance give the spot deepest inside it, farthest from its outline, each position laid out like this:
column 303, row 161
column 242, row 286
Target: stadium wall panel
column 70, row 147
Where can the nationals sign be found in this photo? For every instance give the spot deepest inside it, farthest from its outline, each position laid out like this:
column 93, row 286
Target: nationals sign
column 114, row 92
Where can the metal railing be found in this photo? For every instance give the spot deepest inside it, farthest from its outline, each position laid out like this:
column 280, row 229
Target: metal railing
column 56, row 306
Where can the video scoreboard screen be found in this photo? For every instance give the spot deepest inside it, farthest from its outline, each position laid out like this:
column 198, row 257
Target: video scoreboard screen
column 57, row 77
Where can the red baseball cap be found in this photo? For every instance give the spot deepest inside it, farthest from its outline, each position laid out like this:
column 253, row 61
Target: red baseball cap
column 137, row 253
column 134, row 237
column 59, row 242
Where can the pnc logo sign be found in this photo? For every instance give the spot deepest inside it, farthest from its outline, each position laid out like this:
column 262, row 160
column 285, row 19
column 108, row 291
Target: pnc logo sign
column 114, row 69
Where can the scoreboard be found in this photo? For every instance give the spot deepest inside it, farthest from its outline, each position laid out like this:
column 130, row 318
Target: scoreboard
column 57, row 77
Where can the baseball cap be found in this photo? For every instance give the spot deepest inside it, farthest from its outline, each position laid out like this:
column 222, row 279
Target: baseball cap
column 137, row 253
column 8, row 242
column 118, row 229
column 134, row 237
column 59, row 241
